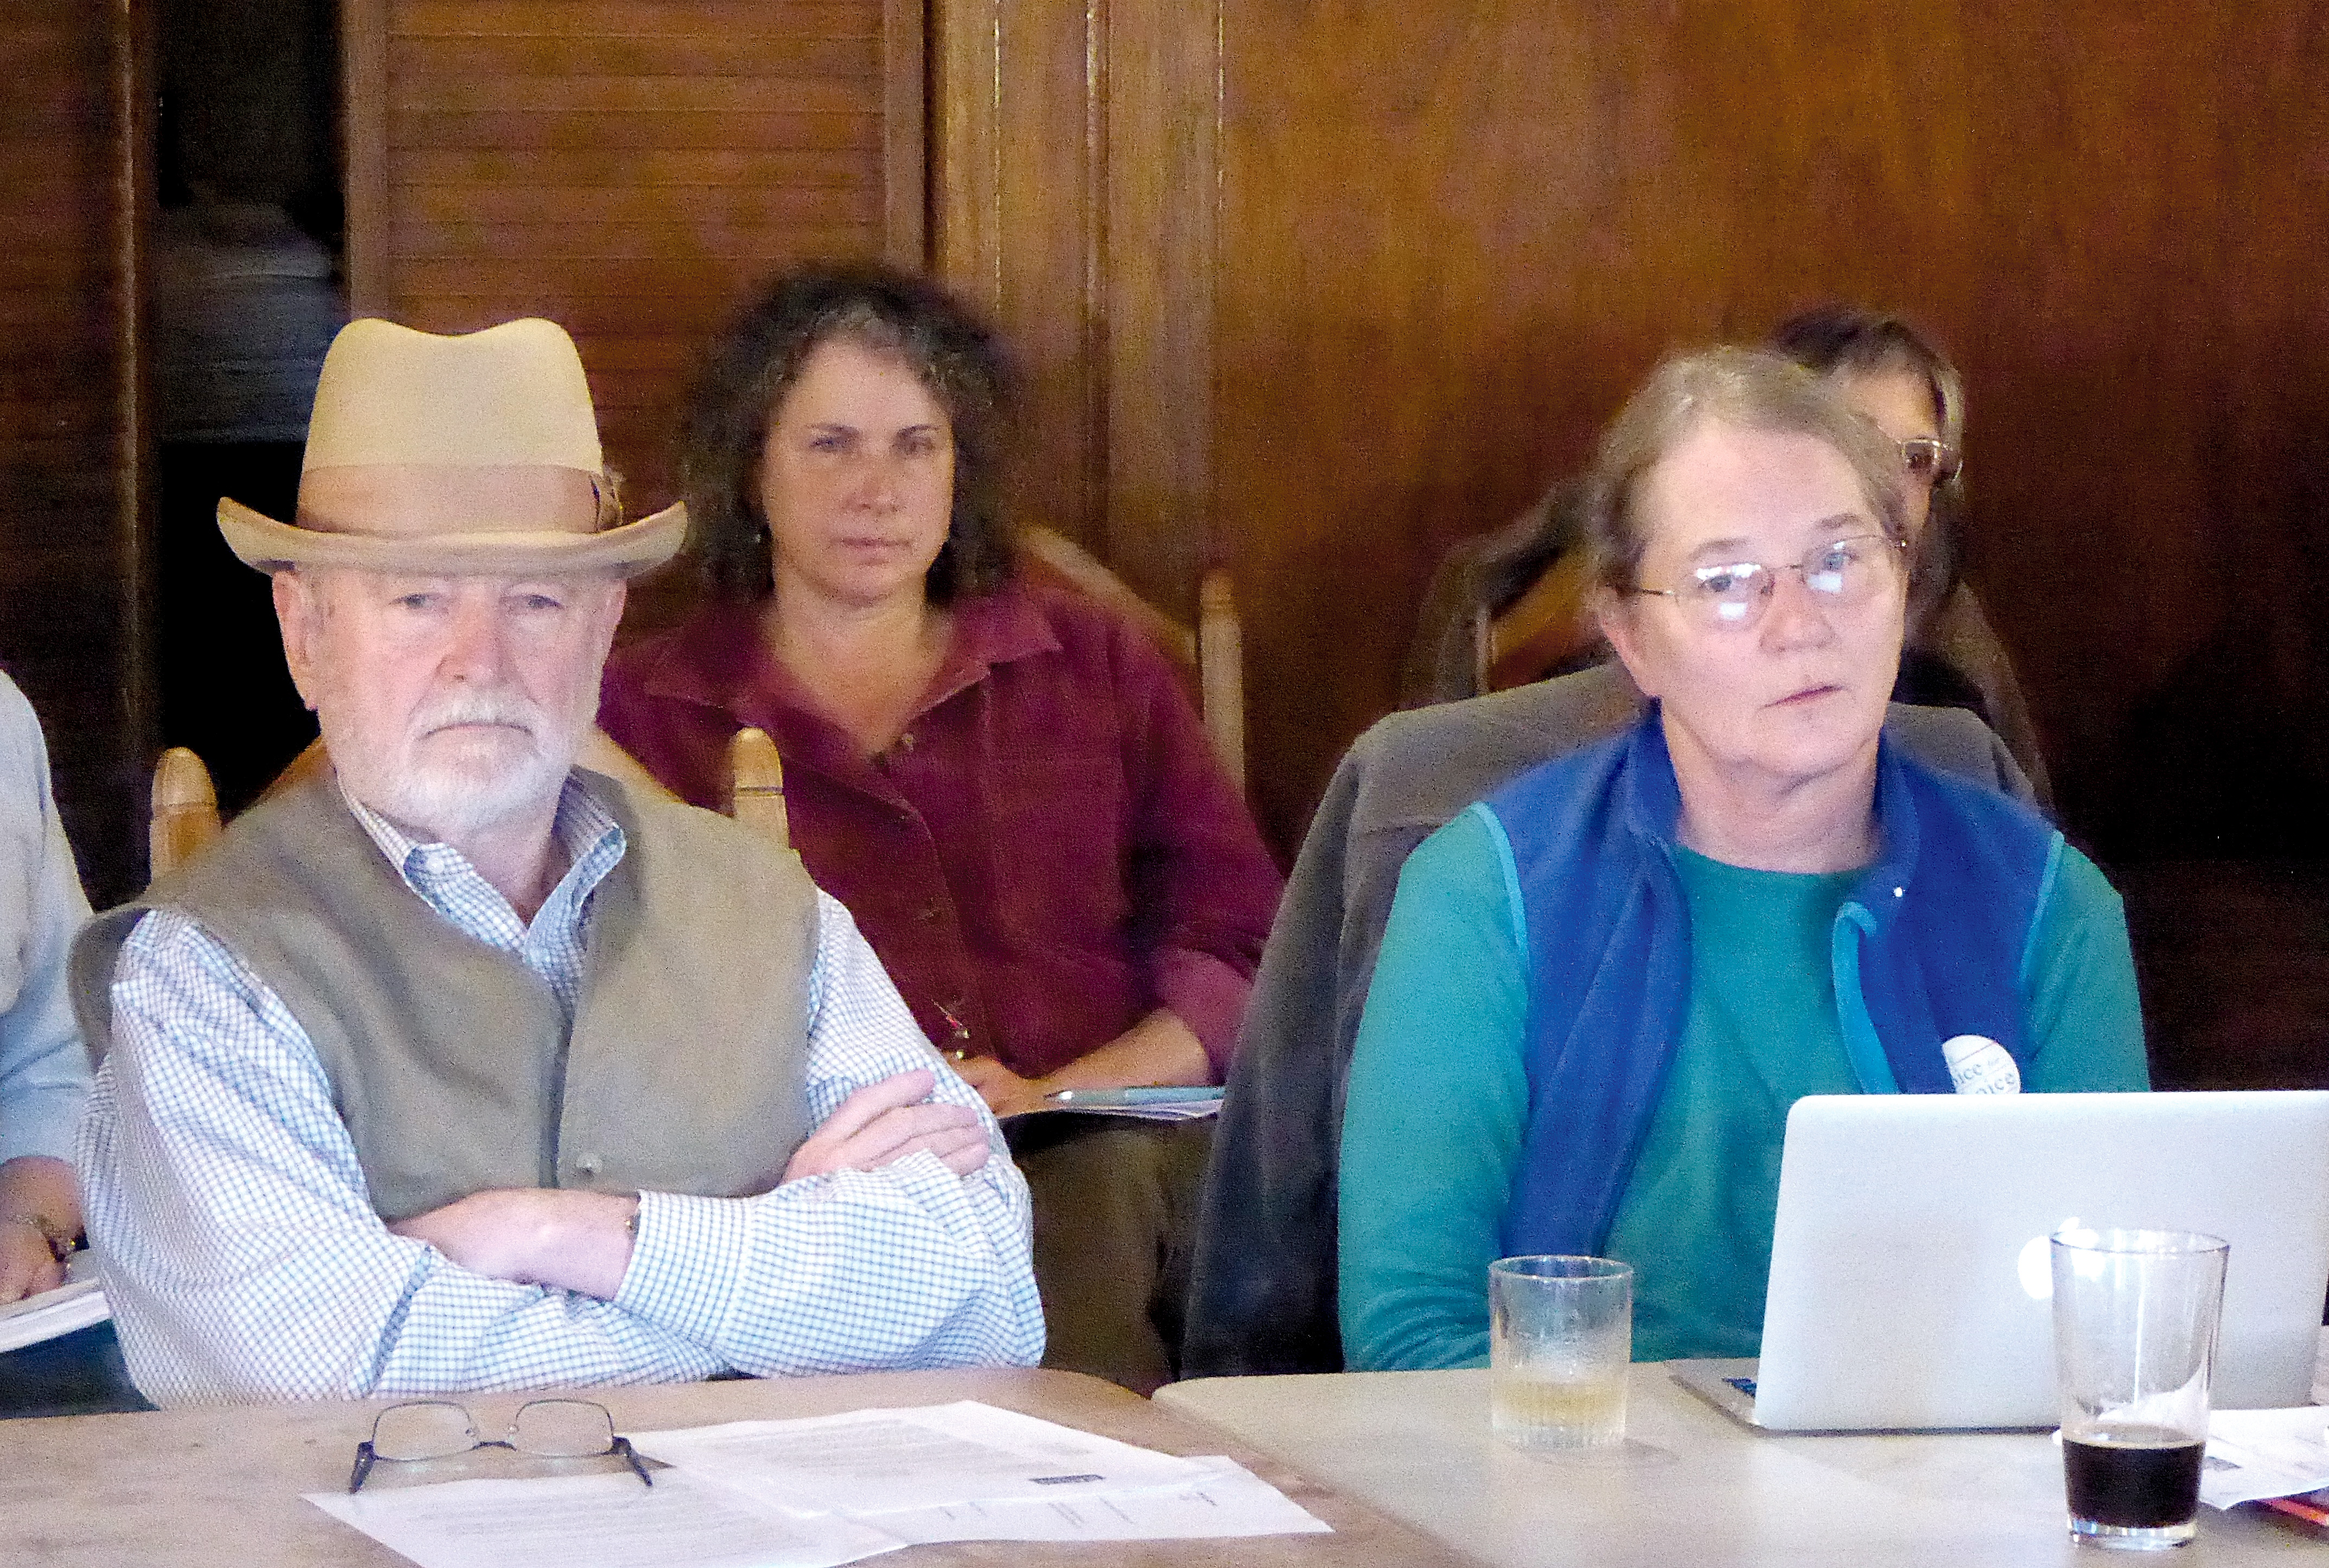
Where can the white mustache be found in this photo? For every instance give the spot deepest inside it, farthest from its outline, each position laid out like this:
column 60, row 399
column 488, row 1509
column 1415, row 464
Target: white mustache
column 508, row 709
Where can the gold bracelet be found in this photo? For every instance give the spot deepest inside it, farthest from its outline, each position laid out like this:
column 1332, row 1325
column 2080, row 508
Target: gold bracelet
column 59, row 1239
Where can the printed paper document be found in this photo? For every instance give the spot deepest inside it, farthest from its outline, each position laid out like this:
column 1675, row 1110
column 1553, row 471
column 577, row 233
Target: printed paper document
column 608, row 1521
column 874, row 1461
column 827, row 1490
column 2264, row 1453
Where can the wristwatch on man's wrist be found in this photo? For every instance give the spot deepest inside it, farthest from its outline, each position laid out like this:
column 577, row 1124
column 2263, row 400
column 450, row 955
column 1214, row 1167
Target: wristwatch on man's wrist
column 59, row 1239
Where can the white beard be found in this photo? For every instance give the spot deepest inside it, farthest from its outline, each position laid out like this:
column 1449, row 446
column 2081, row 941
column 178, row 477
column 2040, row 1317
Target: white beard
column 453, row 785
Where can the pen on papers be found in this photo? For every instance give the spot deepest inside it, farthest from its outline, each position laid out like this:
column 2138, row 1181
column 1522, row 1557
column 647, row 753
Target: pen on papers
column 1150, row 1094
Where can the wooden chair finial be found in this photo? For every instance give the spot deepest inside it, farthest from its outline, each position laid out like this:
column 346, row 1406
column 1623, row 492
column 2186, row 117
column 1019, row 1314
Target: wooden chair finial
column 756, row 796
column 1220, row 672
column 185, row 813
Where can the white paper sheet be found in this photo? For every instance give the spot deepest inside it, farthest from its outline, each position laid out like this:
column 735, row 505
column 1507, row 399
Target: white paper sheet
column 732, row 1502
column 2264, row 1453
column 608, row 1521
column 877, row 1461
column 1224, row 1499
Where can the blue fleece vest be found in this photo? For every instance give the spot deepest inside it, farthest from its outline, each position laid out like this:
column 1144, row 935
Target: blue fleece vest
column 1931, row 942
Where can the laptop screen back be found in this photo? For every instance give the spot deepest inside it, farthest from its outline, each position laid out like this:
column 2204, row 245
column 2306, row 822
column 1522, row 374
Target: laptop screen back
column 1909, row 1269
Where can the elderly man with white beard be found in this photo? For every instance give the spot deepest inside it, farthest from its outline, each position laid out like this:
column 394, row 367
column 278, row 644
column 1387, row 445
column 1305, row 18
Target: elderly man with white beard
column 456, row 1066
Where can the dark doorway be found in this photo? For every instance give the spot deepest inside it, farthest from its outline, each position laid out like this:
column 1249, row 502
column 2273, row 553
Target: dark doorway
column 249, row 268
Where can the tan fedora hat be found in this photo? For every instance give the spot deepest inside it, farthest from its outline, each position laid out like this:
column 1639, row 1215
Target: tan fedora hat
column 476, row 455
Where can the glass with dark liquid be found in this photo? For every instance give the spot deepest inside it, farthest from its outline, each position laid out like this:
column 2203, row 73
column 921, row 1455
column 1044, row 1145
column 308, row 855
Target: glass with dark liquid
column 2133, row 1477
column 2134, row 1342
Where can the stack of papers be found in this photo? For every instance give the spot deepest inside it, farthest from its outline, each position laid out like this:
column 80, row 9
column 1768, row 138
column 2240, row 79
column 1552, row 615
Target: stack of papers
column 827, row 1490
column 2254, row 1454
column 76, row 1304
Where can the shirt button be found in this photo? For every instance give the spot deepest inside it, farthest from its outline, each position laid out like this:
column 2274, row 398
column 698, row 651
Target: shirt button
column 906, row 742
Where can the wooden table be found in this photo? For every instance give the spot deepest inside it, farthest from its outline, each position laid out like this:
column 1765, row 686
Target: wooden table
column 1691, row 1486
column 213, row 1486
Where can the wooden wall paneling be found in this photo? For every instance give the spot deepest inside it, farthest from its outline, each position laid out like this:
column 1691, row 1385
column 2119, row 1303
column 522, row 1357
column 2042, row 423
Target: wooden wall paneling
column 905, row 134
column 74, row 458
column 2098, row 506
column 629, row 169
column 137, row 446
column 965, row 148
column 363, row 65
column 1160, row 264
column 1020, row 220
column 2273, row 157
column 1076, row 181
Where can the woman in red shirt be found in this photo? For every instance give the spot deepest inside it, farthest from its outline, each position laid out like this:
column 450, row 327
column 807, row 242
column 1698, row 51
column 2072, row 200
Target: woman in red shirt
column 1006, row 785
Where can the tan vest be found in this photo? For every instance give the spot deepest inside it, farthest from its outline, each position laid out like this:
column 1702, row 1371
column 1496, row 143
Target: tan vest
column 450, row 1061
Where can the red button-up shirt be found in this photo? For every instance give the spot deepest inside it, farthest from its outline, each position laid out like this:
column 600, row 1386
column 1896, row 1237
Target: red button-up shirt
column 1049, row 851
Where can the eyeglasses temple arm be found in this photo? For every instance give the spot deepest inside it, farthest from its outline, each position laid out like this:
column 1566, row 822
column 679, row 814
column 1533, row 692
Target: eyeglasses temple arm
column 631, row 1458
column 362, row 1466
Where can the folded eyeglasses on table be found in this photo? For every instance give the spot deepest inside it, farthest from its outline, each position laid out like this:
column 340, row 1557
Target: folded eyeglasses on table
column 437, row 1428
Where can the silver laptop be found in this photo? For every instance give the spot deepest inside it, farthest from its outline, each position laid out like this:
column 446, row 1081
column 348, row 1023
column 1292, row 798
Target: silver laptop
column 1909, row 1269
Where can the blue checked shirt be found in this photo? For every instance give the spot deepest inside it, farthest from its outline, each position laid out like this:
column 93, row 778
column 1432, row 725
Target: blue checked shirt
column 245, row 1262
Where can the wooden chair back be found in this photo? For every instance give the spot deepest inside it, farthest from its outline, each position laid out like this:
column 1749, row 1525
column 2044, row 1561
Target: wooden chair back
column 1544, row 629
column 1212, row 652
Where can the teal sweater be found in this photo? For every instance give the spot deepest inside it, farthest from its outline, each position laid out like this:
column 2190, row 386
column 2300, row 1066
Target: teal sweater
column 1439, row 1095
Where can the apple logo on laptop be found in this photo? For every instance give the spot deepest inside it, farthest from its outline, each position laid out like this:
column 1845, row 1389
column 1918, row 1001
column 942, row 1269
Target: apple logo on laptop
column 2037, row 1263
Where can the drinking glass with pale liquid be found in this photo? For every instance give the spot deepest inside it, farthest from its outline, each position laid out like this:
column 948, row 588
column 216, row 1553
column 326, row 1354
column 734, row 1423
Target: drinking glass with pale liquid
column 1561, row 1339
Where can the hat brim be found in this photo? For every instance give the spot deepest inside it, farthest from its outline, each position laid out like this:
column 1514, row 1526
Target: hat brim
column 260, row 542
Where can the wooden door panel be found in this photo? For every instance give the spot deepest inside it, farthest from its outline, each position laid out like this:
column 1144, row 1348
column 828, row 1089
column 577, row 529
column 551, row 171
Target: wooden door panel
column 629, row 168
column 74, row 451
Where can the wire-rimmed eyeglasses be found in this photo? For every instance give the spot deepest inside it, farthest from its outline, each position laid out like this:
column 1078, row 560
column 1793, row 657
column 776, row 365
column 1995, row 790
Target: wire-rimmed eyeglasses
column 1731, row 596
column 437, row 1428
column 1930, row 460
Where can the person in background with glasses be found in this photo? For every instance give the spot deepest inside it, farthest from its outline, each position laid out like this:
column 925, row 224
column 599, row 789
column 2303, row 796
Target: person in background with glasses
column 1602, row 987
column 453, row 1065
column 1887, row 369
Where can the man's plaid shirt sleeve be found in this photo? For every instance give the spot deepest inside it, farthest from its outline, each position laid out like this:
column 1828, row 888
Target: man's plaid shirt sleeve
column 908, row 1265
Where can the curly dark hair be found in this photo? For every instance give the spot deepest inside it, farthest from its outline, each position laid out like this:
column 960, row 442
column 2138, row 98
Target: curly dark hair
column 761, row 353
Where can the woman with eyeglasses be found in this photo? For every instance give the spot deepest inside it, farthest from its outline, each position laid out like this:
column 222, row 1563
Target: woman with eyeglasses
column 1601, row 989
column 1886, row 368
